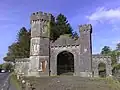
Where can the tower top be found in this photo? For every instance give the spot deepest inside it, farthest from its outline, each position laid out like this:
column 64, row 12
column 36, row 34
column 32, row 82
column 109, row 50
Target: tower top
column 42, row 16
column 85, row 27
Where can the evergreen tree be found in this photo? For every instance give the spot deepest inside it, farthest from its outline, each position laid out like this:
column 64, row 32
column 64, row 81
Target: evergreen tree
column 118, row 47
column 106, row 50
column 54, row 33
column 21, row 48
column 24, row 42
column 75, row 35
column 7, row 66
column 1, row 66
column 62, row 25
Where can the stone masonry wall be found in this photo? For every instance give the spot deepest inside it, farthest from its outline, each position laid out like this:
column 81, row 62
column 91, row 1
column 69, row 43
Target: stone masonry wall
column 22, row 66
column 97, row 59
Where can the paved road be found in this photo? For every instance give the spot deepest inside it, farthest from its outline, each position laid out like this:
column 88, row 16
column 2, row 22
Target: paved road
column 5, row 82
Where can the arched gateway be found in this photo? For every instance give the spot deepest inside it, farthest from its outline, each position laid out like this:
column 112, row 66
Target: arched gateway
column 65, row 55
column 101, row 65
column 102, row 69
column 65, row 63
column 42, row 49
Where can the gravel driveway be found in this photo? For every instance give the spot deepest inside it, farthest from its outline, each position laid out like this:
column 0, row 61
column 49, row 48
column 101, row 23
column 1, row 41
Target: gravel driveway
column 68, row 83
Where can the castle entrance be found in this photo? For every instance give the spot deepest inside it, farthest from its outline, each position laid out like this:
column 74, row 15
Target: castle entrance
column 65, row 63
column 102, row 69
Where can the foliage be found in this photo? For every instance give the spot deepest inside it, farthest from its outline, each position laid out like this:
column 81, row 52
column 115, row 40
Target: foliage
column 106, row 50
column 114, row 84
column 114, row 55
column 116, row 66
column 7, row 66
column 21, row 48
column 75, row 35
column 54, row 33
column 60, row 26
column 15, row 81
column 118, row 47
column 1, row 65
column 24, row 42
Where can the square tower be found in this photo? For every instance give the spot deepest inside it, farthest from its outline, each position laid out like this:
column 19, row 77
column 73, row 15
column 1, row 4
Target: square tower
column 39, row 48
column 85, row 49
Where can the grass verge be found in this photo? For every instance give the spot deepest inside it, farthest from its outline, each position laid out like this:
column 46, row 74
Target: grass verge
column 114, row 84
column 15, row 81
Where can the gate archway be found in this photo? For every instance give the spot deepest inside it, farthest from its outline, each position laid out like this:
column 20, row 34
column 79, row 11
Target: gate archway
column 65, row 63
column 102, row 69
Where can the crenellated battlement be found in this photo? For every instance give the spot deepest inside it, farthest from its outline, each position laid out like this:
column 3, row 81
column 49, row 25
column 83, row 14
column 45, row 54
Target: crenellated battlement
column 41, row 16
column 67, row 46
column 41, row 13
column 22, row 60
column 100, row 56
column 85, row 27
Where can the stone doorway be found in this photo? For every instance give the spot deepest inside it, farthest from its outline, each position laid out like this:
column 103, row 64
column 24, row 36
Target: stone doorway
column 65, row 63
column 102, row 70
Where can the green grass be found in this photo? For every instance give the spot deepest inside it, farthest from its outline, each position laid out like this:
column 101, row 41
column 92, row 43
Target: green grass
column 15, row 81
column 112, row 83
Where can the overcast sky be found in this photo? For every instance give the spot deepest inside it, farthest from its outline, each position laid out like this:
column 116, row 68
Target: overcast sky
column 104, row 15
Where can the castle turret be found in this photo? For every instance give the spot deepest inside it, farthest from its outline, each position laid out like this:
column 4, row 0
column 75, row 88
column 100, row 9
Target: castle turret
column 39, row 49
column 85, row 48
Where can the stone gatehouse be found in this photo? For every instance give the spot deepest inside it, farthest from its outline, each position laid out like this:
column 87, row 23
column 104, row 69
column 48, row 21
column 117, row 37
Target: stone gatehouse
column 65, row 55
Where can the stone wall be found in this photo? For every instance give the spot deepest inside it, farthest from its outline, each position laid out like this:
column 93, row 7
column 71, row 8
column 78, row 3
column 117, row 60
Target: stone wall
column 72, row 49
column 22, row 66
column 97, row 59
